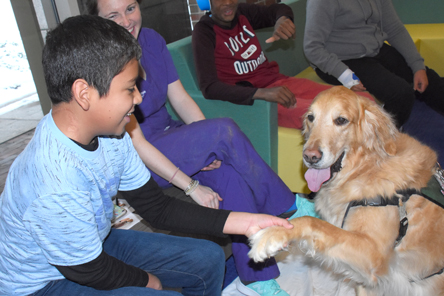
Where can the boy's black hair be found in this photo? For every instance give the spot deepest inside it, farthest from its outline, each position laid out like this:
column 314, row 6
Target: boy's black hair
column 86, row 47
column 90, row 7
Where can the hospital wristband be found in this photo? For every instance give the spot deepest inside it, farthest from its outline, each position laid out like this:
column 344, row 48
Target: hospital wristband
column 348, row 78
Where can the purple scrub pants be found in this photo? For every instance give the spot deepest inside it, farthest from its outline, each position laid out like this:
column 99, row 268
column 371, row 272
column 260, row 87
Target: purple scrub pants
column 244, row 180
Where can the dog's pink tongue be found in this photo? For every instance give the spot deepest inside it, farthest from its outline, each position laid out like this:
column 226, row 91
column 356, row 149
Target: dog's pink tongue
column 315, row 178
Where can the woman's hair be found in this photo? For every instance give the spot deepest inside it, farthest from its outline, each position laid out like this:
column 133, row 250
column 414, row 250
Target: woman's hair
column 86, row 47
column 90, row 7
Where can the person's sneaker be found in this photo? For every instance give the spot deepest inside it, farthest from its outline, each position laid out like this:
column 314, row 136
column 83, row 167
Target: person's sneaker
column 261, row 288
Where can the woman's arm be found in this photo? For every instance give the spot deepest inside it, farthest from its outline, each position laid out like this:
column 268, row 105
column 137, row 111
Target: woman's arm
column 183, row 104
column 162, row 166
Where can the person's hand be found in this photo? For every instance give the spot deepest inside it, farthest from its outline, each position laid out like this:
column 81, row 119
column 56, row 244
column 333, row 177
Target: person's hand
column 281, row 95
column 154, row 282
column 248, row 224
column 358, row 87
column 205, row 196
column 420, row 81
column 212, row 166
column 261, row 221
column 283, row 29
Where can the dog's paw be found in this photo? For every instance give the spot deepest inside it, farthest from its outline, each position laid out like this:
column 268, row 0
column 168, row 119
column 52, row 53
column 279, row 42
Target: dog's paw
column 268, row 242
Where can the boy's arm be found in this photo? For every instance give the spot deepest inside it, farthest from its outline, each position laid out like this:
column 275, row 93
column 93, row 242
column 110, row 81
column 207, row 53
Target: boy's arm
column 163, row 211
column 212, row 88
column 166, row 212
column 105, row 273
column 264, row 16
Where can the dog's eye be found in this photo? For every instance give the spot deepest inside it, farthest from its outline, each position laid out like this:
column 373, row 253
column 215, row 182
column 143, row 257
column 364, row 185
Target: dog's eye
column 341, row 121
column 310, row 117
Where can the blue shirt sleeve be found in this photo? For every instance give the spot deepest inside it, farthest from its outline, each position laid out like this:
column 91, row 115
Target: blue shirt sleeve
column 135, row 173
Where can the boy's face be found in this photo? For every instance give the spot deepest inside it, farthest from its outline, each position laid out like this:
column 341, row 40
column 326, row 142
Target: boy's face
column 223, row 11
column 112, row 112
column 123, row 12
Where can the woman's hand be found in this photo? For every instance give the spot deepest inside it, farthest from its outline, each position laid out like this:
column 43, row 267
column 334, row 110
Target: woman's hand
column 212, row 166
column 205, row 196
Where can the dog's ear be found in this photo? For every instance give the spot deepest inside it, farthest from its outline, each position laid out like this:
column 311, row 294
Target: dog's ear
column 304, row 130
column 378, row 129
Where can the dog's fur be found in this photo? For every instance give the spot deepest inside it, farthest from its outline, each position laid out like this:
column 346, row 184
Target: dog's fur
column 378, row 160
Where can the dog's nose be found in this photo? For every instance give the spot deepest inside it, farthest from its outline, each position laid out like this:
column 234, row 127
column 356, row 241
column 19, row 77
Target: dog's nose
column 312, row 156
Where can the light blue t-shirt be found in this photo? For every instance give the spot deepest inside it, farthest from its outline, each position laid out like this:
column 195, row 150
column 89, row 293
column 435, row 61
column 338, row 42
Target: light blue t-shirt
column 56, row 207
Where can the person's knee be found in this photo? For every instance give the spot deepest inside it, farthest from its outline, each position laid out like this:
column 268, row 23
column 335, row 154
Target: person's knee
column 212, row 252
column 433, row 94
column 226, row 129
column 229, row 124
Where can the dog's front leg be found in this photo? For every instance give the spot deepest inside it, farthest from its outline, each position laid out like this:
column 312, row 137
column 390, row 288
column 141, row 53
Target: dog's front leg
column 358, row 251
column 268, row 242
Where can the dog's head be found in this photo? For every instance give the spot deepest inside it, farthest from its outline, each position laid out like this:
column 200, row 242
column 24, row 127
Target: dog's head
column 340, row 122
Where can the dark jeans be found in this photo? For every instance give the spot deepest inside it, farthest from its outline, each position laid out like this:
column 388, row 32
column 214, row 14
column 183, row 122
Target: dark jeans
column 195, row 265
column 388, row 77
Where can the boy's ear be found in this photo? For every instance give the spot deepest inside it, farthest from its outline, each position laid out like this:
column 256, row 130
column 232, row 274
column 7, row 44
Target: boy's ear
column 82, row 93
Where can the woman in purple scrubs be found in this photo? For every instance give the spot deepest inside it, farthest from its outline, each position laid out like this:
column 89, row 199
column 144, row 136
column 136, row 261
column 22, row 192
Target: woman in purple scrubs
column 214, row 152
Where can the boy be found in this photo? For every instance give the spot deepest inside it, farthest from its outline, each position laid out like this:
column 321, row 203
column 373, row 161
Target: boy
column 56, row 209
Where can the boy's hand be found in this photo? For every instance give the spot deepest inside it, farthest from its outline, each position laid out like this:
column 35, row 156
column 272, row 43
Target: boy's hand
column 281, row 95
column 248, row 224
column 154, row 282
column 261, row 221
column 283, row 29
column 420, row 81
column 205, row 196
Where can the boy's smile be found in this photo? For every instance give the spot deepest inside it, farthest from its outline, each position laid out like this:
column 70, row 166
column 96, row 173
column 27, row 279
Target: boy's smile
column 112, row 112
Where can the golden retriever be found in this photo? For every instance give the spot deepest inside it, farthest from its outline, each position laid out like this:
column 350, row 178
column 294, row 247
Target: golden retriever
column 355, row 154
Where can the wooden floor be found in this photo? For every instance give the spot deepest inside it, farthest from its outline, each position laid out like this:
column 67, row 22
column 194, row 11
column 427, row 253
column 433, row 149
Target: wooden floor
column 9, row 151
